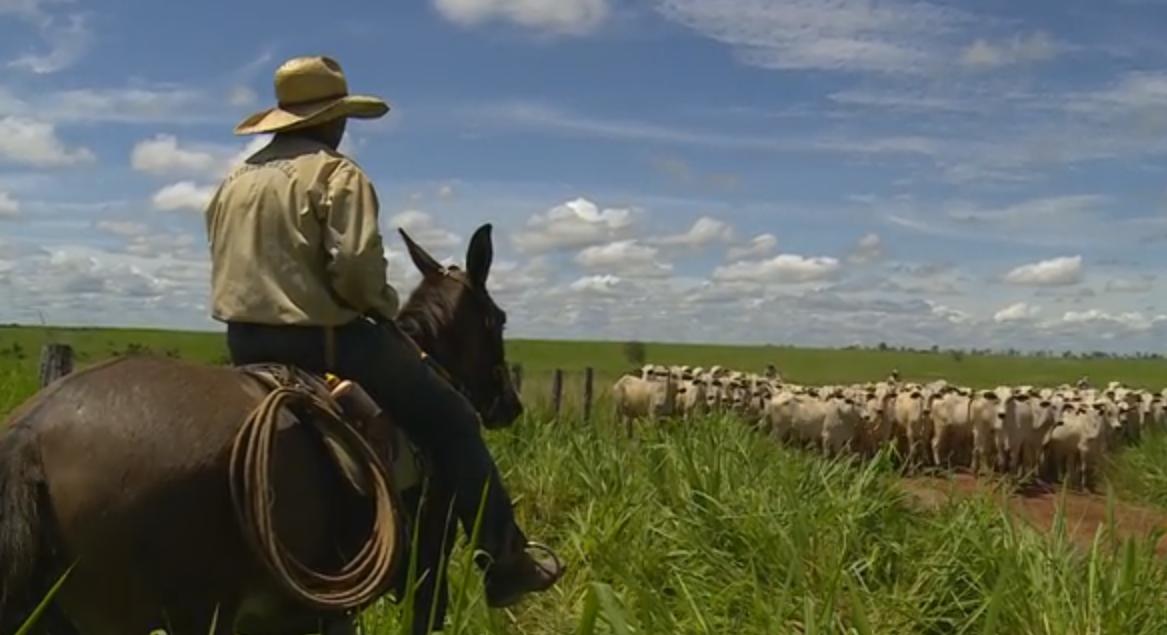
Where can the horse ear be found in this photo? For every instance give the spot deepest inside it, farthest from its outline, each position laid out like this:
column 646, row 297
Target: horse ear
column 421, row 258
column 480, row 255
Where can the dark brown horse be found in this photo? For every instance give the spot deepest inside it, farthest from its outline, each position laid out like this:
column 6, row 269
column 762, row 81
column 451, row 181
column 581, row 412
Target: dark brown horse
column 121, row 469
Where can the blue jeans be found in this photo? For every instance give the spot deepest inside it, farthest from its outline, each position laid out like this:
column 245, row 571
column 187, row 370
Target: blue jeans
column 435, row 416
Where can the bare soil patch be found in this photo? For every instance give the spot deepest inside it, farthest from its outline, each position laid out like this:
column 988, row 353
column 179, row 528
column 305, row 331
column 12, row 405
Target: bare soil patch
column 1037, row 505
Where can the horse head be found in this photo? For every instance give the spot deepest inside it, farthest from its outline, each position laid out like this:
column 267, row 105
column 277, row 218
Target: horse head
column 452, row 316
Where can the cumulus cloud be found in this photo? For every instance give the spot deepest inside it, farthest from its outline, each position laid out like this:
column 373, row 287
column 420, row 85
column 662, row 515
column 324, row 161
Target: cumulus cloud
column 598, row 285
column 1132, row 321
column 1018, row 312
column 1048, row 273
column 1020, row 49
column 574, row 224
column 422, row 228
column 783, row 268
column 704, row 232
column 163, row 154
column 183, row 195
column 561, row 16
column 759, row 246
column 9, row 207
column 627, row 258
column 869, row 249
column 35, row 143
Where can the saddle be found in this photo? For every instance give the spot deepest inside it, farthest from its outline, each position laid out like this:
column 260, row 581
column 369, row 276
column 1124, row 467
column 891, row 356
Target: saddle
column 404, row 461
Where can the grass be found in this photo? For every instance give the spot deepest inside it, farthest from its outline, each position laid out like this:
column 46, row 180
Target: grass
column 709, row 528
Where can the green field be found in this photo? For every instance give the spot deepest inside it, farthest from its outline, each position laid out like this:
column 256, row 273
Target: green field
column 708, row 528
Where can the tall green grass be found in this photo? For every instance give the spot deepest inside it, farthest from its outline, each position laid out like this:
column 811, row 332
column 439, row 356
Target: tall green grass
column 1139, row 472
column 711, row 528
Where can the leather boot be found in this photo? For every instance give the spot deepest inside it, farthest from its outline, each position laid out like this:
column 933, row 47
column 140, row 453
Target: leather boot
column 511, row 577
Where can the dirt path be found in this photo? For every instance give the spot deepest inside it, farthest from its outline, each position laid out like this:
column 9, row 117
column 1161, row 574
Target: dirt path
column 1084, row 513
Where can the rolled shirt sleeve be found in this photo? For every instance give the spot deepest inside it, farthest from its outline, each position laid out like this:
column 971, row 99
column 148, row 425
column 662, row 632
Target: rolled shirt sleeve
column 357, row 265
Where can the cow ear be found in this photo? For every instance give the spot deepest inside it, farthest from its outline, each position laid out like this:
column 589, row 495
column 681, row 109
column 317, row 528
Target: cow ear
column 479, row 256
column 421, row 258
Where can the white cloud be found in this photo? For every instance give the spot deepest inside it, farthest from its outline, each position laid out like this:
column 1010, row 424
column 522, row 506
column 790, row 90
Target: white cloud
column 424, row 229
column 704, row 232
column 576, row 223
column 242, row 96
column 1036, row 210
column 127, row 229
column 894, row 36
column 183, row 195
column 869, row 249
column 783, row 268
column 1141, row 284
column 68, row 40
column 759, row 246
column 9, row 207
column 1018, row 312
column 1048, row 273
column 601, row 285
column 1020, row 49
column 1129, row 321
column 626, row 258
column 162, row 155
column 540, row 116
column 561, row 16
column 35, row 143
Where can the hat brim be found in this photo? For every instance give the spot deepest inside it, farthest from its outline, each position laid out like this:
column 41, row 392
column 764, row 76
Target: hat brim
column 282, row 118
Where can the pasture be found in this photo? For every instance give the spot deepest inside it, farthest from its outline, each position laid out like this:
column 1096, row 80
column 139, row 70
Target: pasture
column 708, row 527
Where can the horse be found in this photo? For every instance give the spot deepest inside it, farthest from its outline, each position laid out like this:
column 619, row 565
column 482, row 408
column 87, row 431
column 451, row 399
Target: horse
column 114, row 478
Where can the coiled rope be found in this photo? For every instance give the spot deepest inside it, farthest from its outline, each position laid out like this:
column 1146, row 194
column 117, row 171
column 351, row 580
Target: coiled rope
column 369, row 574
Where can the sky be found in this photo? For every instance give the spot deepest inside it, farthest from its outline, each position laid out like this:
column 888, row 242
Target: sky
column 826, row 172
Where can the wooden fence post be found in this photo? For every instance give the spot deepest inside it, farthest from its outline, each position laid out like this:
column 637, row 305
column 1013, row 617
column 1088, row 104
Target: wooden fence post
column 517, row 377
column 56, row 362
column 557, row 391
column 588, row 380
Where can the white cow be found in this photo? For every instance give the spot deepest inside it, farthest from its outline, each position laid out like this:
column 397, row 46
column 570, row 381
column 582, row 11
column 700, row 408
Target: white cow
column 952, row 429
column 984, row 417
column 1074, row 449
column 913, row 415
column 642, row 398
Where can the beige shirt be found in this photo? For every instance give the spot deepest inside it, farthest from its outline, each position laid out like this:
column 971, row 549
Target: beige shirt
column 294, row 240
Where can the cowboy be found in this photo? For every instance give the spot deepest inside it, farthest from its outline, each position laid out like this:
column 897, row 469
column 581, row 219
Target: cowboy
column 297, row 257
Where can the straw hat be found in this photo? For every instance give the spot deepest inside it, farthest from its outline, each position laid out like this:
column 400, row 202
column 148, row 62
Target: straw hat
column 310, row 91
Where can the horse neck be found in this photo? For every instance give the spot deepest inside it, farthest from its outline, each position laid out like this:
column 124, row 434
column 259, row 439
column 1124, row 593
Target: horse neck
column 427, row 332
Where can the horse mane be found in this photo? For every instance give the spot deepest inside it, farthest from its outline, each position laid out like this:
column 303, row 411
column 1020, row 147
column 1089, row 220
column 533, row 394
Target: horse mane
column 429, row 310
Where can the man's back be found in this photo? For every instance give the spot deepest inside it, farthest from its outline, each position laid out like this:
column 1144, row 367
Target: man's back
column 294, row 239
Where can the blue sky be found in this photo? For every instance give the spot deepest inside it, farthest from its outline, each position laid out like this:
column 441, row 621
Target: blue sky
column 812, row 172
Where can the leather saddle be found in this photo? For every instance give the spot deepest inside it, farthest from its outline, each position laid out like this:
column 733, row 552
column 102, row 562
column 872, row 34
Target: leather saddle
column 404, row 460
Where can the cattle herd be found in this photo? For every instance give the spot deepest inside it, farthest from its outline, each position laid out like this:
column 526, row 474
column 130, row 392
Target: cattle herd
column 1050, row 433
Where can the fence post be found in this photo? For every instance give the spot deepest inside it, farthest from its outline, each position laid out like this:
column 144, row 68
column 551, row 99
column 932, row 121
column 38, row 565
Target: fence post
column 557, row 391
column 56, row 362
column 517, row 377
column 588, row 380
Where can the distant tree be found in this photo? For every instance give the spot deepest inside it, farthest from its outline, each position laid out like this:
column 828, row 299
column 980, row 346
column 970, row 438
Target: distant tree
column 883, row 346
column 957, row 356
column 635, row 352
column 935, row 348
